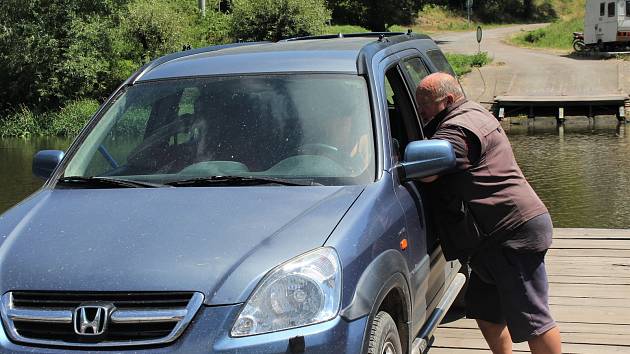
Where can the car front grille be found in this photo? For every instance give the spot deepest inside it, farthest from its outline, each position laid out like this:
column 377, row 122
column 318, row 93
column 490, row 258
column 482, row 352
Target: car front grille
column 98, row 319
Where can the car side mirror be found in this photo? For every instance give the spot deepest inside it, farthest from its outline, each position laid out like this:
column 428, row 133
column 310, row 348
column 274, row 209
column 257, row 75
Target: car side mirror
column 45, row 162
column 425, row 158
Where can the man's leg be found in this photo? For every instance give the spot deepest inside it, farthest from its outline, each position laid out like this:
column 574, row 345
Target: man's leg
column 482, row 301
column 546, row 343
column 524, row 289
column 497, row 336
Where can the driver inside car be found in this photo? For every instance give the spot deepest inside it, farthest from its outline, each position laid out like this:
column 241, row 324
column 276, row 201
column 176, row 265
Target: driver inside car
column 342, row 141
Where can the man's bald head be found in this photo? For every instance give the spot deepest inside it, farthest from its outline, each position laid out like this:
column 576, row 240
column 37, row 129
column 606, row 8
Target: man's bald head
column 436, row 92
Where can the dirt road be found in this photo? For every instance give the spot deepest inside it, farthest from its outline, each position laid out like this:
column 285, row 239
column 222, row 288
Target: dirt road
column 533, row 72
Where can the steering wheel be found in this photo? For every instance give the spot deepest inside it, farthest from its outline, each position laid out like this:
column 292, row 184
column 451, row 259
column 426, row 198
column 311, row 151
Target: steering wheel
column 318, row 149
column 329, row 151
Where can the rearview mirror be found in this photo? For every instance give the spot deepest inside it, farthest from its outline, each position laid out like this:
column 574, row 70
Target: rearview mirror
column 425, row 158
column 45, row 162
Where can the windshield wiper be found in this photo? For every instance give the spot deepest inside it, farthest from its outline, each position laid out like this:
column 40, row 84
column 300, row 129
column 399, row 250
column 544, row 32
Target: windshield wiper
column 238, row 181
column 104, row 182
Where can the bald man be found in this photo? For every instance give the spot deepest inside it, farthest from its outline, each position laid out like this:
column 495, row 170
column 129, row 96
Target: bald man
column 507, row 292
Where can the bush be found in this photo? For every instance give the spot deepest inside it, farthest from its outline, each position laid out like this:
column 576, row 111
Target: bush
column 214, row 28
column 22, row 123
column 378, row 16
column 258, row 20
column 72, row 117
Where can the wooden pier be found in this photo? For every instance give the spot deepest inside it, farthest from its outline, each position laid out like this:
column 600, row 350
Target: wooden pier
column 561, row 106
column 589, row 279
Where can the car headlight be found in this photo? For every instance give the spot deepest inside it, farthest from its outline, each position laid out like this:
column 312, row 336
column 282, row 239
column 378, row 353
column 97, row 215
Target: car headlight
column 302, row 291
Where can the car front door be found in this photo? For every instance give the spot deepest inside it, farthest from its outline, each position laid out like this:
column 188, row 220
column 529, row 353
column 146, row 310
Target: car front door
column 403, row 127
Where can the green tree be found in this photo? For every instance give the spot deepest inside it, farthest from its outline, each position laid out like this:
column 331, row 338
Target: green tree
column 375, row 15
column 52, row 51
column 155, row 26
column 259, row 20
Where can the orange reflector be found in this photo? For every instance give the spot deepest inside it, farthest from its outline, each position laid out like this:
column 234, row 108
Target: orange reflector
column 403, row 244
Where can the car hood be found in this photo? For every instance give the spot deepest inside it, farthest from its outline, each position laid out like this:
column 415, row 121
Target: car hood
column 219, row 241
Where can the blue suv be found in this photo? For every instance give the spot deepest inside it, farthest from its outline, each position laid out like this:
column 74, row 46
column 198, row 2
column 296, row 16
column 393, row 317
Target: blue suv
column 253, row 197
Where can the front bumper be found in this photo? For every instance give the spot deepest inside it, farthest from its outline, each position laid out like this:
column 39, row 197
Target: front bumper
column 209, row 333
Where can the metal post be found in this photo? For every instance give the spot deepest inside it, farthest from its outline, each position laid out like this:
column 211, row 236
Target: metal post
column 621, row 114
column 560, row 117
column 202, row 7
column 469, row 4
column 468, row 24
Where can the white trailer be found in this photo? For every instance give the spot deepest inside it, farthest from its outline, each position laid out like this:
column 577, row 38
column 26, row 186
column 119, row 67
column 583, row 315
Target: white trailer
column 607, row 24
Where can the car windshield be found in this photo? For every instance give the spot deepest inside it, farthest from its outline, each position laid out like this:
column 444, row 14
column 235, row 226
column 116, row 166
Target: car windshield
column 314, row 128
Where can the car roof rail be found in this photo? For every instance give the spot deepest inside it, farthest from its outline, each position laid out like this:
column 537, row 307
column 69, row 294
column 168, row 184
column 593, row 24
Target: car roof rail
column 176, row 55
column 346, row 35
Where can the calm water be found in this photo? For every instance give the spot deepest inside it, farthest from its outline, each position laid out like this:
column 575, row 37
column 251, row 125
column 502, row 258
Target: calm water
column 582, row 175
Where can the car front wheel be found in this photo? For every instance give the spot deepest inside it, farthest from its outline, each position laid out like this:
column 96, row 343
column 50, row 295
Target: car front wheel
column 384, row 338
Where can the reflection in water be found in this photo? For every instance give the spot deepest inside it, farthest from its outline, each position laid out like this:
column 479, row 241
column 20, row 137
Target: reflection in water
column 16, row 156
column 582, row 175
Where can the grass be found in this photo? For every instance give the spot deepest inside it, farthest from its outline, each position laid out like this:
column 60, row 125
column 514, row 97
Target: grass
column 559, row 34
column 463, row 63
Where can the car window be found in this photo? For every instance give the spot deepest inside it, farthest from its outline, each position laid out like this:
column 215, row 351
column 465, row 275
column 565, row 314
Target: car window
column 440, row 62
column 415, row 68
column 403, row 122
column 316, row 127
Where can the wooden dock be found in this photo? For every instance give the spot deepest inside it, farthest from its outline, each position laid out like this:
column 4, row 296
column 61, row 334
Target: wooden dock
column 561, row 106
column 589, row 279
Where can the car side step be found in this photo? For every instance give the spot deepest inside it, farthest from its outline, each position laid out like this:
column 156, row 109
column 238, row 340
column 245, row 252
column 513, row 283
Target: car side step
column 421, row 343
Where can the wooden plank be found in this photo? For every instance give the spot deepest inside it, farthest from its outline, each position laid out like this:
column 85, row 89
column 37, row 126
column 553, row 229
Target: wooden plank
column 585, row 252
column 550, row 100
column 588, row 261
column 579, row 233
column 603, row 291
column 451, row 336
column 573, row 327
column 594, row 280
column 587, row 314
column 479, row 343
column 591, row 302
column 617, row 244
column 567, row 337
column 602, row 271
column 456, row 350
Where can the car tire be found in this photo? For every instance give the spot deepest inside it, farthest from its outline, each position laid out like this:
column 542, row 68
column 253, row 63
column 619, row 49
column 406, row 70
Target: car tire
column 384, row 337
